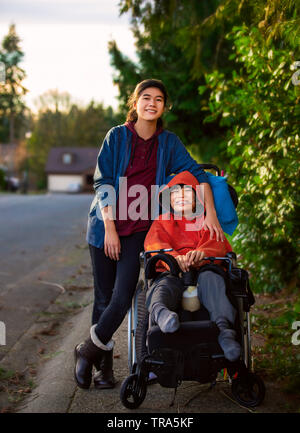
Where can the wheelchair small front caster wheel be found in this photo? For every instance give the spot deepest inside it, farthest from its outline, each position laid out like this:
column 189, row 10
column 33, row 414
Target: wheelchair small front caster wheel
column 249, row 391
column 133, row 391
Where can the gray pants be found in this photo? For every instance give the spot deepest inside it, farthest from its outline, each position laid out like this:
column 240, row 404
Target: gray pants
column 212, row 294
column 211, row 289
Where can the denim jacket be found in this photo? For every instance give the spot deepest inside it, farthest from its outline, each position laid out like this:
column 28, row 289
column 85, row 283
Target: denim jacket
column 112, row 161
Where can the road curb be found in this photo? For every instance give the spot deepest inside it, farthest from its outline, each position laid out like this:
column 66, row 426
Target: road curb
column 56, row 386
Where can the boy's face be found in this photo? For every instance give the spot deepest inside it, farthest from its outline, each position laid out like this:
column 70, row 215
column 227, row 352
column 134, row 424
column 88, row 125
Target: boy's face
column 183, row 199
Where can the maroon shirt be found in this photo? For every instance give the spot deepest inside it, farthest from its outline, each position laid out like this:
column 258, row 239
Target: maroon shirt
column 141, row 170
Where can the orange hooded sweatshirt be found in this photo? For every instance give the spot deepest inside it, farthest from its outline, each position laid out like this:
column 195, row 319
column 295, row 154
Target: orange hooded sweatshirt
column 168, row 232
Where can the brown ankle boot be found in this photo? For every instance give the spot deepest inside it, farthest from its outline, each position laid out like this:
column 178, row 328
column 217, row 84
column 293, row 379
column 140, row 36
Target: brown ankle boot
column 104, row 378
column 86, row 354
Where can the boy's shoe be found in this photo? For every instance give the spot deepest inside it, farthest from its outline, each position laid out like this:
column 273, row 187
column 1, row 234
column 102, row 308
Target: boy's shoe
column 152, row 378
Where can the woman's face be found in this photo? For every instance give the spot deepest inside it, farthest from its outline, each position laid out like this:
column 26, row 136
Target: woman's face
column 151, row 104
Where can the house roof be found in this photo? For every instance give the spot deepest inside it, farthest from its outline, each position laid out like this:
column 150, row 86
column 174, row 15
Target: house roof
column 83, row 159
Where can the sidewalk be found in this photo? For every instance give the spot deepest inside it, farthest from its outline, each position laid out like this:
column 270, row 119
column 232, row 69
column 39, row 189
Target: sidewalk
column 57, row 392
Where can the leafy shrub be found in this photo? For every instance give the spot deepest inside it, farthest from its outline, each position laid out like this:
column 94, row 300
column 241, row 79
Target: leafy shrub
column 260, row 106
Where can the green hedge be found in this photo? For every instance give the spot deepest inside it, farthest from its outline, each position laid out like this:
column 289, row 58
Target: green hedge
column 260, row 106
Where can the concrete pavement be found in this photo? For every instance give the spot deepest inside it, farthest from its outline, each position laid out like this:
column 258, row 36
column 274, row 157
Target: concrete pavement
column 56, row 391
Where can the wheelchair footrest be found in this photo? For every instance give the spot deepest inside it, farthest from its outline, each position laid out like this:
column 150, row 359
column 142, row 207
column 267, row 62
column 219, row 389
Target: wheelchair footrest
column 197, row 342
column 189, row 334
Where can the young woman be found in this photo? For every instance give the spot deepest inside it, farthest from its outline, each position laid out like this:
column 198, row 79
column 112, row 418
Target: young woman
column 133, row 157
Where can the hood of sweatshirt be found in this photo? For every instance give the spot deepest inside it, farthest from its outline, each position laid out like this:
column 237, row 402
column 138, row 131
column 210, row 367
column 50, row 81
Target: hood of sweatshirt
column 183, row 178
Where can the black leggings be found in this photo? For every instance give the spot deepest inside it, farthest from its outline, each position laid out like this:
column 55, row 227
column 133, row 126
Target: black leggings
column 114, row 284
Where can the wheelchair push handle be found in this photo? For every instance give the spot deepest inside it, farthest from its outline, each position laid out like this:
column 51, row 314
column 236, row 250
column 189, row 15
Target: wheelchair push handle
column 149, row 265
column 230, row 259
column 145, row 254
column 232, row 191
column 211, row 166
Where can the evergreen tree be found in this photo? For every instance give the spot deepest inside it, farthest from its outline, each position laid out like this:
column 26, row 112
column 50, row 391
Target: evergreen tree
column 12, row 90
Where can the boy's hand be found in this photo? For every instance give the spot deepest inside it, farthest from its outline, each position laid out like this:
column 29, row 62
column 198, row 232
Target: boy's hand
column 194, row 257
column 182, row 262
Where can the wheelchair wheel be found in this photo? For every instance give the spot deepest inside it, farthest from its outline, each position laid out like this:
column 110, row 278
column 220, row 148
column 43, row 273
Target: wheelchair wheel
column 248, row 391
column 133, row 391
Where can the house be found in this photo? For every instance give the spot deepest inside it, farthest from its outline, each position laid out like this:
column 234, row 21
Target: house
column 67, row 167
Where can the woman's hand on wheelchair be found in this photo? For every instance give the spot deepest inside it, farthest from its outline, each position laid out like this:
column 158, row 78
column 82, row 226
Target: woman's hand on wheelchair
column 212, row 224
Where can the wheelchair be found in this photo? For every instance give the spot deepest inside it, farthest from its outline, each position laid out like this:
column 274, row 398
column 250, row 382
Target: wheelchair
column 192, row 353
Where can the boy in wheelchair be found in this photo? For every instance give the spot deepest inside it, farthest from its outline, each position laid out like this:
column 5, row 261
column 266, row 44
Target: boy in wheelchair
column 189, row 247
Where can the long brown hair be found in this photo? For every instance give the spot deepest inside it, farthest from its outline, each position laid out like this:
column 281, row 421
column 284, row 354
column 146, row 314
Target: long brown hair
column 140, row 87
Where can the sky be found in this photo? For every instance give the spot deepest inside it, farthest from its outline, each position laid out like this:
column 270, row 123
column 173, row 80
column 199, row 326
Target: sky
column 65, row 45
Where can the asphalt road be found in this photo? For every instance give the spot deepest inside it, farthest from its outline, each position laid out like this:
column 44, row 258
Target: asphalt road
column 36, row 226
column 37, row 234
